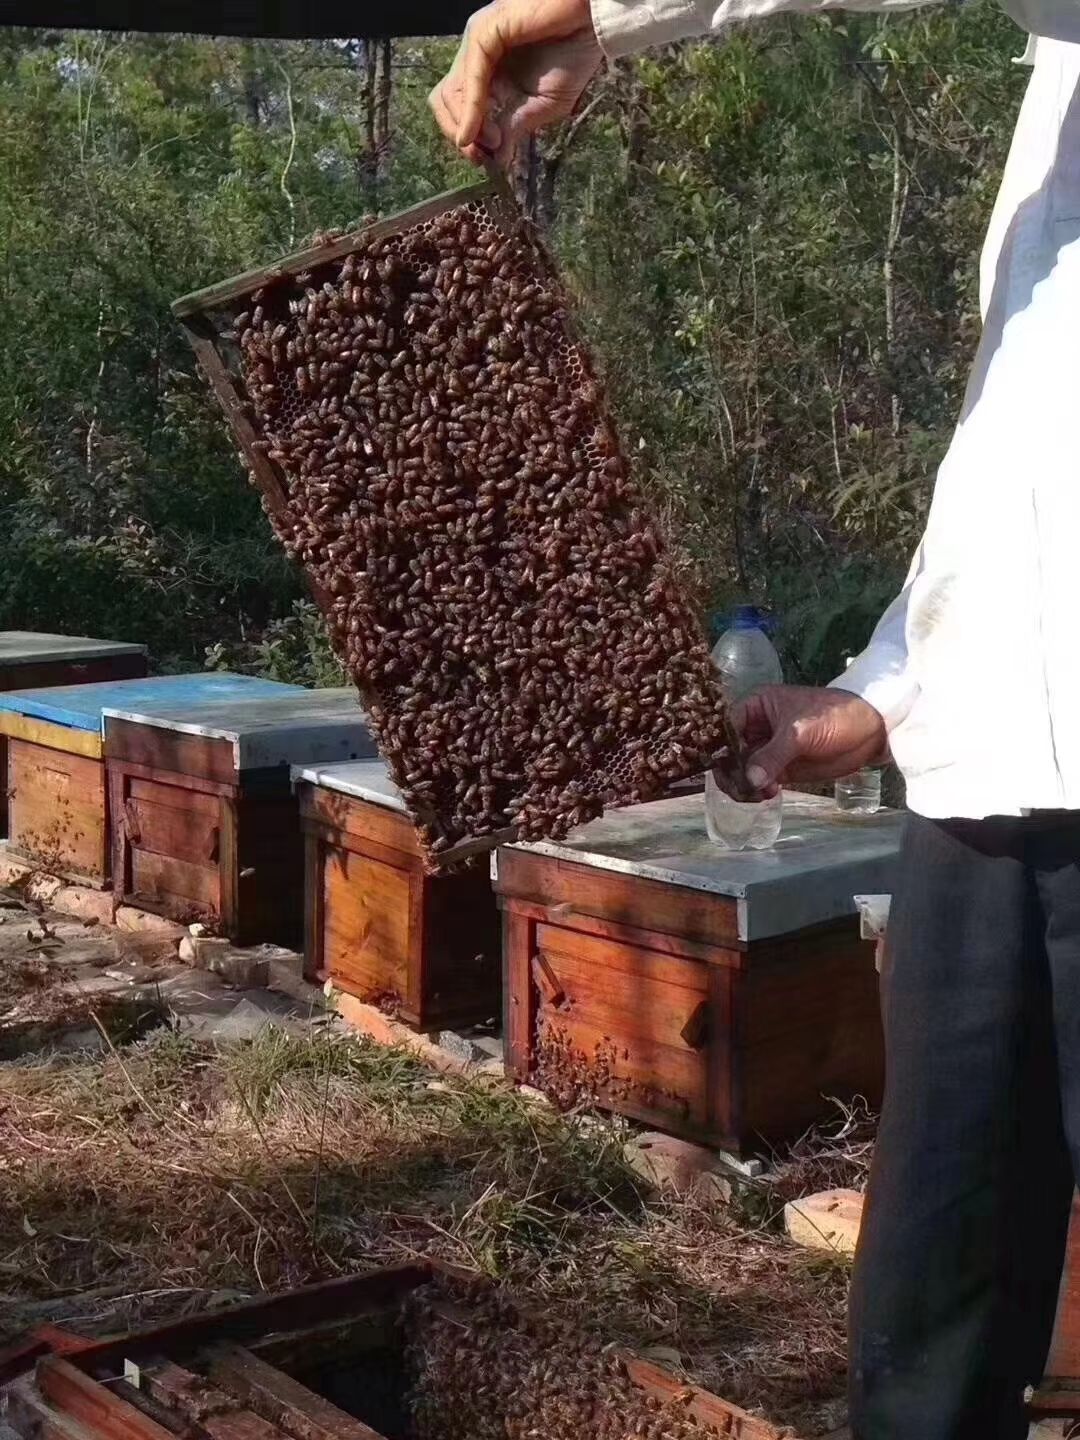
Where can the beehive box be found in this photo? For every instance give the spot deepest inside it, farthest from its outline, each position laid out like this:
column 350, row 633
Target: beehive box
column 433, row 447
column 720, row 995
column 381, row 926
column 414, row 1353
column 55, row 768
column 28, row 658
column 205, row 822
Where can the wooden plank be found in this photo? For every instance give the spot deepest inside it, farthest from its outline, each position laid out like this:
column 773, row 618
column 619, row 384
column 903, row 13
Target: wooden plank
column 180, row 797
column 519, row 993
column 228, row 869
column 1063, row 1362
column 360, row 819
column 349, row 1296
column 636, row 1075
column 626, row 992
column 292, row 1407
column 726, row 1419
column 368, row 929
column 565, row 914
column 73, row 1391
column 628, row 900
column 212, row 1412
column 176, row 883
column 267, row 474
column 804, row 980
column 314, row 909
column 173, row 830
column 29, row 1416
column 55, row 737
column 724, row 1087
column 197, row 784
column 384, row 854
column 39, row 674
column 57, row 810
column 170, row 754
column 117, row 784
column 239, row 286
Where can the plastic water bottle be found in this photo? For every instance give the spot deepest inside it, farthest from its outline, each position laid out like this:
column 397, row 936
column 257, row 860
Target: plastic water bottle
column 745, row 657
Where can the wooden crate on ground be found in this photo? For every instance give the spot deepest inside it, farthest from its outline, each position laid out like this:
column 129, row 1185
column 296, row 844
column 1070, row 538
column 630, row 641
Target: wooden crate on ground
column 363, row 1357
column 205, row 821
column 720, row 995
column 378, row 926
column 55, row 770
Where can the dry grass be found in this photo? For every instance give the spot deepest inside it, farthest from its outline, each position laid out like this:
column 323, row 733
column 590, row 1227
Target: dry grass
column 166, row 1177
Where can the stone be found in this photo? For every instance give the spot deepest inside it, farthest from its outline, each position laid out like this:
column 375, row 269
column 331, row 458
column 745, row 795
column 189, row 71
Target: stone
column 668, row 1163
column 829, row 1220
column 95, row 906
column 129, row 918
column 470, row 1049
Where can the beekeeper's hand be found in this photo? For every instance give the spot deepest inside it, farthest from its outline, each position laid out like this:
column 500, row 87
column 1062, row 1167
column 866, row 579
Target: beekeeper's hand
column 523, row 64
column 792, row 732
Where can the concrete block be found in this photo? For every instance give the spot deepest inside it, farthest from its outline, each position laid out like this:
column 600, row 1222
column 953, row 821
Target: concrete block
column 243, row 969
column 829, row 1220
column 384, row 1030
column 668, row 1163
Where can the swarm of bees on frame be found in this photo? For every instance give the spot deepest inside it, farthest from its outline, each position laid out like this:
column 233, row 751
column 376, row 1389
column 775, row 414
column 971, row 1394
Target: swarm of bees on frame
column 455, row 492
column 480, row 1369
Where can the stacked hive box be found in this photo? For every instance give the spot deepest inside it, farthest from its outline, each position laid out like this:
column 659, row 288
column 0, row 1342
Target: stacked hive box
column 58, row 811
column 717, row 994
column 205, row 822
column 31, row 659
column 378, row 925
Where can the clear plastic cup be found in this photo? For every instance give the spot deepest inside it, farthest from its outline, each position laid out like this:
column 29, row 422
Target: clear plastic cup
column 859, row 794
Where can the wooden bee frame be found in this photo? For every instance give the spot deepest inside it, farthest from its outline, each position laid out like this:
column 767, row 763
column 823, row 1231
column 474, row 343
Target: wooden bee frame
column 590, row 683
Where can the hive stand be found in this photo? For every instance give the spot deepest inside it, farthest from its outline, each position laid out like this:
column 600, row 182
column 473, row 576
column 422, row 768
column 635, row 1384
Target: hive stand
column 377, row 926
column 55, row 765
column 205, row 822
column 720, row 995
column 30, row 659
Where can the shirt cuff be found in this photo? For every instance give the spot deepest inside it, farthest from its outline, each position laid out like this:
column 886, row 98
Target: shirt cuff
column 880, row 678
column 624, row 27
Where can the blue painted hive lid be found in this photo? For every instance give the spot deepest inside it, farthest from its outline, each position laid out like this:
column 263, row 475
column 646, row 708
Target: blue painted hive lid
column 80, row 707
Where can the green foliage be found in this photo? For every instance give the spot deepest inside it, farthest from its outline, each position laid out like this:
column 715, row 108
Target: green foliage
column 772, row 241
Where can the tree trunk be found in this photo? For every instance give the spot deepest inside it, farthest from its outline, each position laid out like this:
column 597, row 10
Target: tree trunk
column 383, row 89
column 367, row 154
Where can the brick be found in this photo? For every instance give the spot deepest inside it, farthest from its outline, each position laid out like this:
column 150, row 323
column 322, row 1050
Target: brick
column 829, row 1220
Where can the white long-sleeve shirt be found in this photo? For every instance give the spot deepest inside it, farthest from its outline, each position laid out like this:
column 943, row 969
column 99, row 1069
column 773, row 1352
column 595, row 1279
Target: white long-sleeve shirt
column 976, row 664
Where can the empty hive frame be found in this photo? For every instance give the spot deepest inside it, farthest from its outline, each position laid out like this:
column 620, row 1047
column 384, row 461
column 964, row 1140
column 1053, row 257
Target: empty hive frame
column 432, row 447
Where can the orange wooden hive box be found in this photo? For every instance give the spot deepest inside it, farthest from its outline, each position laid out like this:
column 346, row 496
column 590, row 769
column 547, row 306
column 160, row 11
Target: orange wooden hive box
column 378, row 925
column 205, row 820
column 29, row 659
column 723, row 996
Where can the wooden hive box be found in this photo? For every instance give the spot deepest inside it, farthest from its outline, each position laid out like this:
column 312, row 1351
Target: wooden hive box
column 53, row 743
column 720, row 995
column 29, row 659
column 327, row 1362
column 206, row 824
column 378, row 925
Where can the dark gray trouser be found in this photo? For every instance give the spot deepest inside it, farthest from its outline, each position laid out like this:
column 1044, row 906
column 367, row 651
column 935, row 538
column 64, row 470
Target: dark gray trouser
column 960, row 1257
